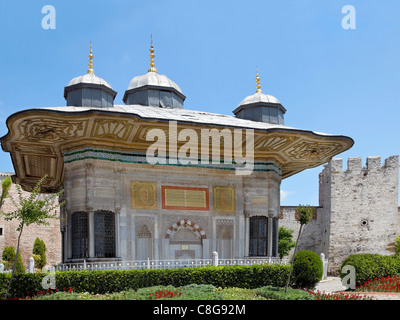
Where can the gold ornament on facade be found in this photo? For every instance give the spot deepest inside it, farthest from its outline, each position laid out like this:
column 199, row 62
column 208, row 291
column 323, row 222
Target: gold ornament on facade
column 272, row 142
column 314, row 151
column 51, row 130
column 112, row 129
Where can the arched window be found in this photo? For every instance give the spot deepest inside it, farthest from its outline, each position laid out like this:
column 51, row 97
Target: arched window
column 79, row 235
column 104, row 232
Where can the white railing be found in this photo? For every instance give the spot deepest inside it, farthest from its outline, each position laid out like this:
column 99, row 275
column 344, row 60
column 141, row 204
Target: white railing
column 168, row 264
column 251, row 261
column 138, row 264
column 165, row 264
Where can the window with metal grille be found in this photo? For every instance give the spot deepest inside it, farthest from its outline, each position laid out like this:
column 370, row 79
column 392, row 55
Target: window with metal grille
column 104, row 231
column 258, row 236
column 79, row 233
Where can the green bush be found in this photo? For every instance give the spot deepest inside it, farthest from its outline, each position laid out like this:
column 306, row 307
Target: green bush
column 285, row 241
column 8, row 257
column 39, row 253
column 369, row 266
column 275, row 293
column 8, row 254
column 397, row 246
column 100, row 282
column 307, row 269
column 19, row 268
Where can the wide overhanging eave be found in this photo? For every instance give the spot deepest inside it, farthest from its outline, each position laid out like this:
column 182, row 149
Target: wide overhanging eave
column 293, row 149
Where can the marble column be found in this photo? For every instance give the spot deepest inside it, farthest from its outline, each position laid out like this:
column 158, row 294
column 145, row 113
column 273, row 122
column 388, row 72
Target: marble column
column 247, row 235
column 91, row 234
column 68, row 238
column 117, row 235
column 156, row 240
column 269, row 235
column 90, row 176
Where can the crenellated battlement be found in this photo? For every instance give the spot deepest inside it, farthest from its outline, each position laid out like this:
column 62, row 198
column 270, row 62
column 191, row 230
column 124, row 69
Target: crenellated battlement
column 355, row 165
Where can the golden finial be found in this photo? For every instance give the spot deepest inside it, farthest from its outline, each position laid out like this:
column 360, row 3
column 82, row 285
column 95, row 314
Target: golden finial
column 258, row 83
column 152, row 68
column 90, row 70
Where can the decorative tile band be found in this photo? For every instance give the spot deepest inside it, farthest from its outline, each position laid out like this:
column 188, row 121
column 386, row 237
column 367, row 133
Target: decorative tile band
column 140, row 158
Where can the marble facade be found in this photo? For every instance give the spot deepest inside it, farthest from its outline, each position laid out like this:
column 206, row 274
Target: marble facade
column 147, row 228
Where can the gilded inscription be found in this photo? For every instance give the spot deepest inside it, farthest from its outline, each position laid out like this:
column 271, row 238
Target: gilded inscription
column 184, row 198
column 143, row 195
column 224, row 199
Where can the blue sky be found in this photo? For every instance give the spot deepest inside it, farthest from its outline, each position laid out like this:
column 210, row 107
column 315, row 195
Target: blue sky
column 329, row 79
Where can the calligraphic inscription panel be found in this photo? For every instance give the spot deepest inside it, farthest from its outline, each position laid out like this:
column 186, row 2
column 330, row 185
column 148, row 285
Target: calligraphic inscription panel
column 185, row 198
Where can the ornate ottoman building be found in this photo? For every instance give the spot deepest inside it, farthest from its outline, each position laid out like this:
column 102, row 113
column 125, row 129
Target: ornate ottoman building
column 147, row 179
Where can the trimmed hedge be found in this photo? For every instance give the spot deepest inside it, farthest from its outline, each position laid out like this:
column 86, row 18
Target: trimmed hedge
column 307, row 269
column 369, row 266
column 99, row 282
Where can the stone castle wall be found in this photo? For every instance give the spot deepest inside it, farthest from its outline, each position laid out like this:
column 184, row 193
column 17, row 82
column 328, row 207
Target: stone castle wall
column 49, row 234
column 315, row 235
column 364, row 206
column 358, row 210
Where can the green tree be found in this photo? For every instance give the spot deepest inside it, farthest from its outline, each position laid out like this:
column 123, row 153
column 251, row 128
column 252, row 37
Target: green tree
column 5, row 187
column 285, row 242
column 39, row 250
column 33, row 209
column 305, row 214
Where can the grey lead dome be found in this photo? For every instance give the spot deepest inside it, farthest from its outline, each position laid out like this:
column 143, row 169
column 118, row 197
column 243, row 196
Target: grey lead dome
column 89, row 90
column 261, row 107
column 89, row 78
column 259, row 97
column 153, row 79
column 155, row 90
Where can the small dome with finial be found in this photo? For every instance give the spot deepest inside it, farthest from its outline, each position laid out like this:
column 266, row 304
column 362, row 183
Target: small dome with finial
column 154, row 89
column 89, row 90
column 261, row 107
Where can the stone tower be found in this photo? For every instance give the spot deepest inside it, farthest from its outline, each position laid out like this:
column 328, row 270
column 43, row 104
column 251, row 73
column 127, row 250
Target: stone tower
column 359, row 207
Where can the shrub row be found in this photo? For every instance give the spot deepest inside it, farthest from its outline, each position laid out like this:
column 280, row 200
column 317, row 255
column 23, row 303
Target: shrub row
column 370, row 266
column 99, row 282
column 275, row 293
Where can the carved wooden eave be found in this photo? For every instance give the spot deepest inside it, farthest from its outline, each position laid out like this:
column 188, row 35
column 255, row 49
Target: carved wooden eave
column 38, row 138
